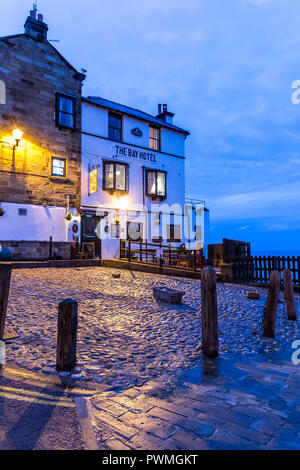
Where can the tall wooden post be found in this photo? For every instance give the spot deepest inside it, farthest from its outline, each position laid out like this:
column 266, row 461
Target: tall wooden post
column 66, row 335
column 289, row 295
column 209, row 313
column 271, row 305
column 5, row 275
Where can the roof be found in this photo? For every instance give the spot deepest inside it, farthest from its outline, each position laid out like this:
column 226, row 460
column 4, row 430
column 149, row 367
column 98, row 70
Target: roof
column 79, row 75
column 132, row 112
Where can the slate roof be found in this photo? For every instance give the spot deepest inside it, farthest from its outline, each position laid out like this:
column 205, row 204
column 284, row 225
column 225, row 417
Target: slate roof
column 132, row 112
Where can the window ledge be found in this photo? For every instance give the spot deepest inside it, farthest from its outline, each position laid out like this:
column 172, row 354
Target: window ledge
column 61, row 179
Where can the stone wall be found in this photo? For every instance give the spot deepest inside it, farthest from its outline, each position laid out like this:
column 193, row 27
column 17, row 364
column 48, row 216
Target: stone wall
column 27, row 250
column 33, row 71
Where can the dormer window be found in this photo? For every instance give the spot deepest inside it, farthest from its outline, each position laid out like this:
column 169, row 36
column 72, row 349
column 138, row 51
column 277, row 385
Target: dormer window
column 114, row 126
column 154, row 138
column 65, row 111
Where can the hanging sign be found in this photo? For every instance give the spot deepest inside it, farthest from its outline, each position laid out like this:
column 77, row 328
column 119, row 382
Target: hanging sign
column 93, row 181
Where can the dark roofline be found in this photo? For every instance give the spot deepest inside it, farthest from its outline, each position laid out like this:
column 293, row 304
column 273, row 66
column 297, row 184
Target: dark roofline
column 148, row 117
column 79, row 75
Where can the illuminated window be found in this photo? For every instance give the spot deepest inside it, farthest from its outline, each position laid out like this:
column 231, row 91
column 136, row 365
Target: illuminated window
column 65, row 111
column 115, row 176
column 154, row 138
column 114, row 127
column 155, row 183
column 59, row 167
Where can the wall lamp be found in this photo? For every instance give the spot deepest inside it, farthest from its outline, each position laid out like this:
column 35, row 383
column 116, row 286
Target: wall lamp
column 17, row 135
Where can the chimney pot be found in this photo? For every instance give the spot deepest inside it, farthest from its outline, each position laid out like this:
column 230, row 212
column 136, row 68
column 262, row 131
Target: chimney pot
column 159, row 108
column 165, row 108
column 40, row 17
column 32, row 13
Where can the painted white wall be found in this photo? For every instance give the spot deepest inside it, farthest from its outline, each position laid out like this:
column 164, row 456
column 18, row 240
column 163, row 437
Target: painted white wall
column 39, row 224
column 94, row 120
column 97, row 148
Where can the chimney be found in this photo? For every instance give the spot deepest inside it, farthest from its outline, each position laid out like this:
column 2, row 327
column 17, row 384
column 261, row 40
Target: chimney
column 164, row 114
column 36, row 28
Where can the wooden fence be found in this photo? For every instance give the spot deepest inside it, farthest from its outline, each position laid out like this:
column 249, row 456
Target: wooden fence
column 257, row 269
column 164, row 255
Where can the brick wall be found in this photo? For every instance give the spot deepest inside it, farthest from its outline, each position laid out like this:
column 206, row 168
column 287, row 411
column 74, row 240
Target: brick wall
column 32, row 71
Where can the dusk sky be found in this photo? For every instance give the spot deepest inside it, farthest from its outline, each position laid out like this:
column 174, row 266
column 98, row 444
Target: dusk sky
column 225, row 68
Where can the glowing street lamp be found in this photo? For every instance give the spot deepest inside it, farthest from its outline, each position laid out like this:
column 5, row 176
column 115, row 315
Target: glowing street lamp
column 17, row 135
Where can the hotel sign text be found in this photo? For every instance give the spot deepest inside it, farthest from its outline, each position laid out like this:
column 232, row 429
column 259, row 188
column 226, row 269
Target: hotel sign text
column 135, row 153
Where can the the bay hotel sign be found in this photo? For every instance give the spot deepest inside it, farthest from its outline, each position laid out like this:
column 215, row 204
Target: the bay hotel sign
column 125, row 151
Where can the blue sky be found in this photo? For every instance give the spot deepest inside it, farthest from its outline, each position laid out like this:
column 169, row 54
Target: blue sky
column 226, row 68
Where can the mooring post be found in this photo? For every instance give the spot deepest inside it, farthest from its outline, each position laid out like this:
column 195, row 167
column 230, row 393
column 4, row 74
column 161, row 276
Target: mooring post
column 5, row 276
column 289, row 295
column 66, row 335
column 271, row 305
column 209, row 313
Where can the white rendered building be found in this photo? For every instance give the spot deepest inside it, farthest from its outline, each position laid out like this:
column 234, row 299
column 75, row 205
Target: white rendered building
column 133, row 179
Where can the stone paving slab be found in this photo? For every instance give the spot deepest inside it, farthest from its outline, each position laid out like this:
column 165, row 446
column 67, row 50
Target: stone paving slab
column 184, row 414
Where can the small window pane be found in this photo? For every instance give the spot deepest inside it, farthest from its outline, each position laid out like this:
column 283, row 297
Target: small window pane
column 154, row 138
column 114, row 121
column 109, row 176
column 66, row 120
column 151, row 182
column 58, row 167
column 66, row 105
column 114, row 134
column 121, row 177
column 161, row 184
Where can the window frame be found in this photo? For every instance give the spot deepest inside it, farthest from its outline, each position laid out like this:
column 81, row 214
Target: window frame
column 172, row 239
column 155, row 140
column 151, row 195
column 58, row 96
column 53, row 175
column 118, row 116
column 114, row 189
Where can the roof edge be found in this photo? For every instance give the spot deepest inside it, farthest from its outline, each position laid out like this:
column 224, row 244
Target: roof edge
column 91, row 100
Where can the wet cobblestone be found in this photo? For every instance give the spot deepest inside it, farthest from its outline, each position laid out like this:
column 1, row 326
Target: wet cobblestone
column 125, row 336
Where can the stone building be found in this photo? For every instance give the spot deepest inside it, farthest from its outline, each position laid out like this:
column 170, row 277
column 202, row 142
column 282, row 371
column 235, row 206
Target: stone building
column 39, row 169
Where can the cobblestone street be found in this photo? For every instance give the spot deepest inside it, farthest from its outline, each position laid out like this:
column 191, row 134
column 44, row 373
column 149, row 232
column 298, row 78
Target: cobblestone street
column 145, row 356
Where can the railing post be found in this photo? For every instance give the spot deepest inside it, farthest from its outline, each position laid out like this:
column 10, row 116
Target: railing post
column 170, row 263
column 195, row 260
column 289, row 295
column 5, row 276
column 209, row 313
column 51, row 248
column 141, row 251
column 129, row 251
column 271, row 305
column 66, row 335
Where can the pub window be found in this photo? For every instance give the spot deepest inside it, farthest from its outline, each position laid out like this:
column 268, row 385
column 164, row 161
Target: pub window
column 154, row 138
column 65, row 111
column 155, row 183
column 114, row 126
column 59, row 167
column 173, row 233
column 115, row 176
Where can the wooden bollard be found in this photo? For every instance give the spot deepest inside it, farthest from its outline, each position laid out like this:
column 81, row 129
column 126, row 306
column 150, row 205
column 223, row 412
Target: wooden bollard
column 209, row 313
column 271, row 305
column 66, row 335
column 5, row 275
column 289, row 295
